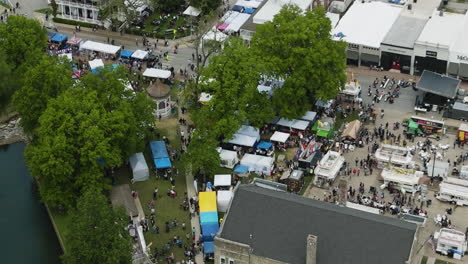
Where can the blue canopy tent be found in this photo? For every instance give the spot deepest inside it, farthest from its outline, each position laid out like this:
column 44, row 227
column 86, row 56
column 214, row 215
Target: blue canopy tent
column 160, row 155
column 241, row 169
column 59, row 38
column 162, row 163
column 126, row 53
column 209, row 217
column 249, row 10
column 209, row 231
column 264, row 145
column 50, row 34
column 208, row 247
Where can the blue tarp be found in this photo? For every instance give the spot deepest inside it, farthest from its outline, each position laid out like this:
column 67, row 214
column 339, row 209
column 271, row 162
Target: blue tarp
column 249, row 10
column 264, row 145
column 208, row 247
column 126, row 53
column 158, row 149
column 208, row 217
column 162, row 163
column 209, row 231
column 50, row 34
column 241, row 169
column 59, row 38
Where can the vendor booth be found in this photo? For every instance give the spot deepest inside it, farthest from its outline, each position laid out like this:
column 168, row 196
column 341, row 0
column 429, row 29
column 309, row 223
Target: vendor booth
column 241, row 170
column 327, row 169
column 160, row 155
column 309, row 116
column 228, row 158
column 404, row 180
column 139, row 167
column 222, row 180
column 209, row 231
column 294, row 179
column 209, row 217
column 100, row 47
column 140, row 55
column 324, row 127
column 265, row 148
column 280, row 137
column 423, row 126
column 246, row 136
column 293, row 124
column 351, row 91
column 463, row 132
column 310, row 155
column 95, row 64
column 126, row 54
column 74, row 41
column 352, row 130
column 258, row 164
column 59, row 39
column 439, row 169
column 207, row 201
column 157, row 73
column 395, row 155
column 224, row 198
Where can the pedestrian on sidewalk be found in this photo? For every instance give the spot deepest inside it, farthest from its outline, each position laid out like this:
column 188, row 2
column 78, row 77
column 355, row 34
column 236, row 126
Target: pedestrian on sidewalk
column 136, row 42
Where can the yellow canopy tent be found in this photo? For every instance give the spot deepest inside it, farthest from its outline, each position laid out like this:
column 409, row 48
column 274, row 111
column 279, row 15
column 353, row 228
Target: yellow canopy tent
column 207, row 201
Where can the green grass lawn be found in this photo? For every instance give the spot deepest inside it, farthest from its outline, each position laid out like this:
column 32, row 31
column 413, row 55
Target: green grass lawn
column 181, row 25
column 307, row 181
column 62, row 221
column 424, row 260
column 167, row 209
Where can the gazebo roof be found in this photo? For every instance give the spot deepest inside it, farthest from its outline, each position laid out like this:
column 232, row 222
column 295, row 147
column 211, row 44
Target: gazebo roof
column 158, row 90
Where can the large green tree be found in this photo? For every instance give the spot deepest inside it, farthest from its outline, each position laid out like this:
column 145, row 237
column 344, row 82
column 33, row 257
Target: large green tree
column 297, row 47
column 46, row 80
column 7, row 85
column 232, row 78
column 93, row 126
column 23, row 40
column 96, row 232
column 168, row 6
column 206, row 5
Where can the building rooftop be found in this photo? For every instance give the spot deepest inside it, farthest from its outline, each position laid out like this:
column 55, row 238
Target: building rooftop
column 405, row 31
column 441, row 30
column 276, row 224
column 438, row 84
column 273, row 7
column 460, row 46
column 367, row 23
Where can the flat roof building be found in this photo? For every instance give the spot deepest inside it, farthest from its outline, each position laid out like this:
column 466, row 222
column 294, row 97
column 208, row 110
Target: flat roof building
column 364, row 27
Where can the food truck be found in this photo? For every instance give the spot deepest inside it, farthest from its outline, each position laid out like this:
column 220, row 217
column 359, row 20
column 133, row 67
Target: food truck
column 327, row 169
column 450, row 242
column 463, row 132
column 404, row 180
column 420, row 126
column 453, row 190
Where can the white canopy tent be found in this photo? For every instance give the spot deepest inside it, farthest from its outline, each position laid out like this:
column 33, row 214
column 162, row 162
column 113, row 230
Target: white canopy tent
column 157, row 73
column 215, row 34
column 249, row 131
column 192, row 11
column 279, row 137
column 96, row 63
column 66, row 55
column 243, row 140
column 296, row 124
column 237, row 22
column 222, row 180
column 223, row 199
column 99, row 47
column 228, row 158
column 140, row 54
column 205, row 98
column 309, row 116
column 229, row 17
column 258, row 164
column 139, row 167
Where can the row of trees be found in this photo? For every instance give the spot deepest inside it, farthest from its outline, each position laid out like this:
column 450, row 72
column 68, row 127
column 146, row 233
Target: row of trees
column 295, row 47
column 78, row 131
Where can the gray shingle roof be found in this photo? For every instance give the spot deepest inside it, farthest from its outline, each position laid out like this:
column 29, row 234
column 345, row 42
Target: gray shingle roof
column 280, row 222
column 439, row 84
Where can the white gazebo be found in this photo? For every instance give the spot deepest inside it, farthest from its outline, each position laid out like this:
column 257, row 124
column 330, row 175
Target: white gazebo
column 160, row 93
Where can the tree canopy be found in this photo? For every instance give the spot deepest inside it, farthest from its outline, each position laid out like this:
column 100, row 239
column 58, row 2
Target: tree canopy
column 7, row 85
column 168, row 5
column 296, row 46
column 206, row 5
column 91, row 127
column 23, row 40
column 46, row 80
column 96, row 232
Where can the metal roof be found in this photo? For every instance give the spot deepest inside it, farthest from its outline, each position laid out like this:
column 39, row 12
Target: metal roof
column 438, row 84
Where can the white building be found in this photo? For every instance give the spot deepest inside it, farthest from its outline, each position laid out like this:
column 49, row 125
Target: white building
column 364, row 27
column 265, row 12
column 432, row 48
column 79, row 10
column 458, row 59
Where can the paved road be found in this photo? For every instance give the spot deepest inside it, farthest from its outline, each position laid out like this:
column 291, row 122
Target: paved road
column 29, row 6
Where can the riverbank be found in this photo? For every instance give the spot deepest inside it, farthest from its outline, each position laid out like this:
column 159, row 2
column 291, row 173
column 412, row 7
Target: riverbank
column 11, row 131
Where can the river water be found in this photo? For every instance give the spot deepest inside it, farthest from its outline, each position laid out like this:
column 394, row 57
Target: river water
column 27, row 234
